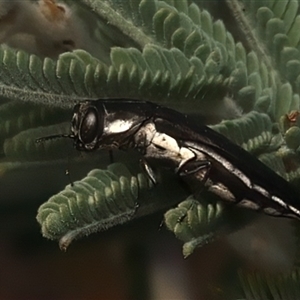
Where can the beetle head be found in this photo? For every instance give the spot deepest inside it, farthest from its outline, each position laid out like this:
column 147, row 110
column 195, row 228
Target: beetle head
column 105, row 124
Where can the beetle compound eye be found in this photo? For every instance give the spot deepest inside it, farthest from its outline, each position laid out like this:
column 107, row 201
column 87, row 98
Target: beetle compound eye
column 90, row 128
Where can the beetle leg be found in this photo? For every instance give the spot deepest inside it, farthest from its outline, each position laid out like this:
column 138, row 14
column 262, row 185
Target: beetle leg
column 184, row 215
column 194, row 166
column 148, row 170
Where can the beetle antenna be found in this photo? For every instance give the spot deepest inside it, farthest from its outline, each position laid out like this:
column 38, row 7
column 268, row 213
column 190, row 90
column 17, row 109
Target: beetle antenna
column 53, row 137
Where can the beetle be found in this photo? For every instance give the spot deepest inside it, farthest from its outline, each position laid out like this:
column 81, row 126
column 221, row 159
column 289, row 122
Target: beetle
column 195, row 152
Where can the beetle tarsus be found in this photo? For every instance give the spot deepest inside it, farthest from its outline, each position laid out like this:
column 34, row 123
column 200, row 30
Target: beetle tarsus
column 192, row 168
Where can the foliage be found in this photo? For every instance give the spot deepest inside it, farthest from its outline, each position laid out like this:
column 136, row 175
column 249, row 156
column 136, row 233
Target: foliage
column 172, row 52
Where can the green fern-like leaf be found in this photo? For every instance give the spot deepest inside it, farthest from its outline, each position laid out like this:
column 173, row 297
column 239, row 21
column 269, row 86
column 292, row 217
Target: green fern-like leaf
column 276, row 25
column 57, row 83
column 103, row 199
column 16, row 116
column 175, row 53
column 98, row 202
column 245, row 128
column 194, row 223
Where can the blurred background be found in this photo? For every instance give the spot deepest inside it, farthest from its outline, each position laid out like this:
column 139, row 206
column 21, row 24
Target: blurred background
column 139, row 260
column 136, row 261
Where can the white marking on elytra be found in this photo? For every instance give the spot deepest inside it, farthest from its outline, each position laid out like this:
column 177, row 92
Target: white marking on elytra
column 222, row 191
column 231, row 168
column 272, row 211
column 248, row 204
column 261, row 190
column 118, row 126
column 279, row 201
column 186, row 153
column 171, row 147
column 201, row 152
column 295, row 210
column 183, row 154
column 165, row 141
column 286, row 206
